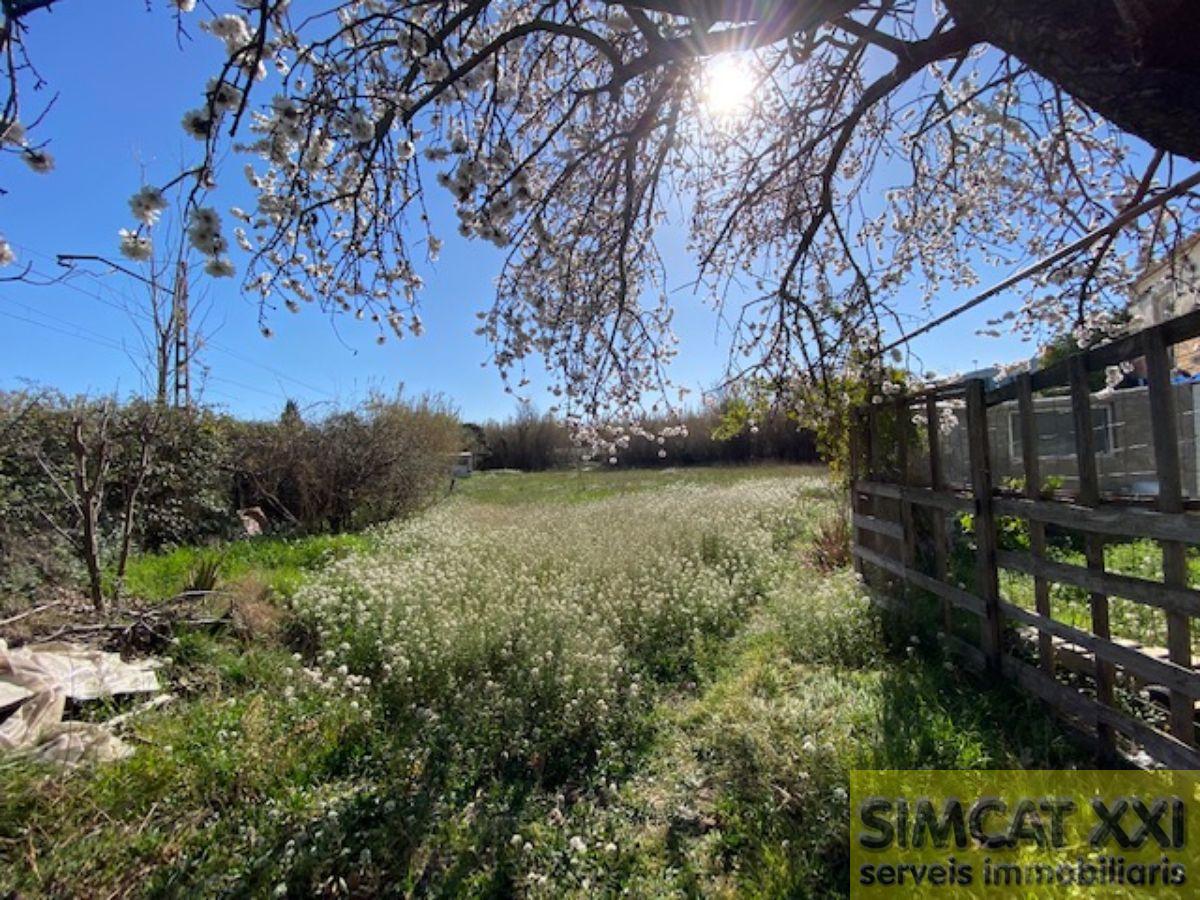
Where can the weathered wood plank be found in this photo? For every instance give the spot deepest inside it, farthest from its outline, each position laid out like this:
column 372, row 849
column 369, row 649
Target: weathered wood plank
column 1173, row 331
column 1146, row 667
column 856, row 473
column 1037, row 530
column 945, row 500
column 955, row 595
column 880, row 489
column 936, row 483
column 1164, row 748
column 1178, row 600
column 1170, row 500
column 1089, row 495
column 879, row 526
column 985, row 523
column 908, row 532
column 881, row 560
column 1115, row 521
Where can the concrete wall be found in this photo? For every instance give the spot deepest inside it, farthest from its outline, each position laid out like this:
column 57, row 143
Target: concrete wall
column 1127, row 465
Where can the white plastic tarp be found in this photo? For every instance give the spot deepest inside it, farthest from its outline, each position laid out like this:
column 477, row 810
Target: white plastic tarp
column 42, row 677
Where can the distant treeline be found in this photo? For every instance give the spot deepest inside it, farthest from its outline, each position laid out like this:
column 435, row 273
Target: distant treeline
column 534, row 442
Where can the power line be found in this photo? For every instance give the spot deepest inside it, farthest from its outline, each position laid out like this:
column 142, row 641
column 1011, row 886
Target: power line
column 220, row 348
column 248, row 387
column 79, row 332
column 36, row 311
column 214, row 345
column 62, row 331
column 1115, row 224
column 92, row 337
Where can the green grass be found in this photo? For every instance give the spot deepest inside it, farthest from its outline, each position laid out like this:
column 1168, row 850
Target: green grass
column 811, row 689
column 647, row 693
column 1128, row 619
column 279, row 563
column 510, row 487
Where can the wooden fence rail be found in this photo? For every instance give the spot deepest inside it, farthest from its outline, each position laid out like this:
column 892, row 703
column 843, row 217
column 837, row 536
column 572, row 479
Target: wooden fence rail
column 1105, row 685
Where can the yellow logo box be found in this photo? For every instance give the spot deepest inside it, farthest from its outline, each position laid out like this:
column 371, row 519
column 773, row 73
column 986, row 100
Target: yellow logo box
column 1024, row 834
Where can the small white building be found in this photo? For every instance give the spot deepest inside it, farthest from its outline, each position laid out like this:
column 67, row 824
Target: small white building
column 464, row 464
column 1168, row 288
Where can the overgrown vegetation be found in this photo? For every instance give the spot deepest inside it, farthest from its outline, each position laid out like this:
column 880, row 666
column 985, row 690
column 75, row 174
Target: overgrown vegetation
column 518, row 694
column 86, row 483
column 278, row 563
column 1070, row 604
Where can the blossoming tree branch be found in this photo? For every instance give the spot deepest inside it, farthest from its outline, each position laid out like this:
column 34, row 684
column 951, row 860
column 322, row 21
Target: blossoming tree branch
column 822, row 155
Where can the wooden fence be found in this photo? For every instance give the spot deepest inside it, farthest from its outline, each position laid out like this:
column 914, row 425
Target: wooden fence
column 1130, row 698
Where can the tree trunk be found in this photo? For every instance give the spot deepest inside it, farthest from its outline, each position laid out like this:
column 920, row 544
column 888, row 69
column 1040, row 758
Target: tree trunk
column 88, row 487
column 1135, row 62
column 146, row 434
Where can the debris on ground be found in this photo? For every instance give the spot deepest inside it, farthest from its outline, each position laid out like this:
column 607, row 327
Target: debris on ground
column 37, row 680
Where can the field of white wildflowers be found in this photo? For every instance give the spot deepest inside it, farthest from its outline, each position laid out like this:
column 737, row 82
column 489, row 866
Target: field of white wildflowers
column 648, row 693
column 541, row 626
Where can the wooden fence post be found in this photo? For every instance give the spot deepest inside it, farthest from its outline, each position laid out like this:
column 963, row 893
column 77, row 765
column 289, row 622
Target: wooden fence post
column 985, row 524
column 855, row 450
column 1089, row 495
column 940, row 563
column 1170, row 500
column 908, row 544
column 1037, row 530
column 872, row 451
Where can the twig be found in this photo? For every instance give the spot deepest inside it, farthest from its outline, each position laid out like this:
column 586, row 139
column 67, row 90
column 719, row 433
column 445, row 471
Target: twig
column 152, row 703
column 146, row 623
column 29, row 612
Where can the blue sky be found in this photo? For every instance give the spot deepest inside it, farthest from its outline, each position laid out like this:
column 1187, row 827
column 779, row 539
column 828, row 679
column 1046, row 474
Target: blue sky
column 123, row 85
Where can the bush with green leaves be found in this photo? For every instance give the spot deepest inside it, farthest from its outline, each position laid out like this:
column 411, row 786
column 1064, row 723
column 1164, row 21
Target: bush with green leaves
column 387, row 458
column 179, row 477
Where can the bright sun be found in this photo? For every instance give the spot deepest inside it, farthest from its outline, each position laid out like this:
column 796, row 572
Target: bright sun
column 728, row 84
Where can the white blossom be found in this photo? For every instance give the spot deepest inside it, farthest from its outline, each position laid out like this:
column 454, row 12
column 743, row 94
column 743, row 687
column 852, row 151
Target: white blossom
column 219, row 267
column 147, row 205
column 197, row 123
column 38, row 160
column 135, row 246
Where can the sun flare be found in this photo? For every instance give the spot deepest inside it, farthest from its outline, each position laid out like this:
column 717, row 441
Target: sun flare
column 728, row 85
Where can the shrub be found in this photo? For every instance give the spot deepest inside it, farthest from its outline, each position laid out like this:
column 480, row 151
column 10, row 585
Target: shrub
column 527, row 441
column 186, row 498
column 830, row 549
column 166, row 477
column 388, row 458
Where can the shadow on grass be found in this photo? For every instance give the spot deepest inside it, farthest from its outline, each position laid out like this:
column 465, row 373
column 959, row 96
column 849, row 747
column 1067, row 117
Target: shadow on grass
column 936, row 716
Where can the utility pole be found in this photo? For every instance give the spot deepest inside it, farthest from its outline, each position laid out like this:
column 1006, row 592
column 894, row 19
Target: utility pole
column 183, row 390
